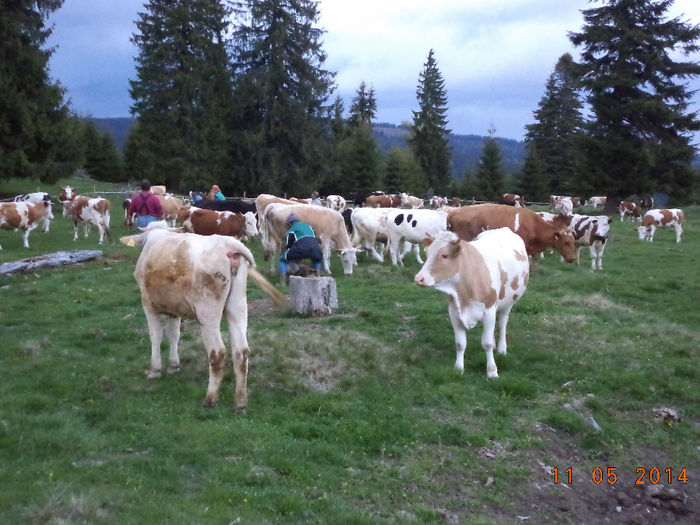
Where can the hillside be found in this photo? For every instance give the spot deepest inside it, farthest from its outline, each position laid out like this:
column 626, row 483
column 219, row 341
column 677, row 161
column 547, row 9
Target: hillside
column 466, row 149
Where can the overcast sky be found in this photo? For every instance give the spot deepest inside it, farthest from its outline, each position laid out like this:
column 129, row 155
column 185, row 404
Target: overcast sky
column 494, row 55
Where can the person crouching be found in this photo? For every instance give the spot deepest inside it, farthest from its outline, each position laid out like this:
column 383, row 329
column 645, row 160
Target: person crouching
column 301, row 243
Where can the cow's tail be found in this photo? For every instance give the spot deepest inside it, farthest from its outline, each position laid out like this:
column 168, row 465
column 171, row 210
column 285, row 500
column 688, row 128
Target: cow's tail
column 268, row 289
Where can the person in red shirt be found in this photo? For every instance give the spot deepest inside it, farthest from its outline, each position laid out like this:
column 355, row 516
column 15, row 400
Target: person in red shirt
column 145, row 206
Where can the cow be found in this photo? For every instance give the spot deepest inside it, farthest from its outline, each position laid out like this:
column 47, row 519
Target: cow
column 202, row 278
column 37, row 196
column 591, row 231
column 555, row 201
column 88, row 210
column 383, row 201
column 359, row 198
column 409, row 201
column 171, row 205
column 596, row 201
column 483, row 279
column 233, row 205
column 158, row 190
column 436, row 201
column 512, row 199
column 468, row 221
column 565, row 204
column 24, row 216
column 646, row 204
column 328, row 225
column 368, row 229
column 128, row 218
column 335, row 202
column 261, row 203
column 210, row 222
column 661, row 218
column 629, row 208
column 413, row 226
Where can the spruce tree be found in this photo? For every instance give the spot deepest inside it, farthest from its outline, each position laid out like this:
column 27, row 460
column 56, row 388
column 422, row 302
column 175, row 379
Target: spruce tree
column 491, row 178
column 33, row 114
column 102, row 160
column 533, row 183
column 281, row 90
column 364, row 106
column 360, row 161
column 555, row 137
column 428, row 139
column 183, row 94
column 640, row 137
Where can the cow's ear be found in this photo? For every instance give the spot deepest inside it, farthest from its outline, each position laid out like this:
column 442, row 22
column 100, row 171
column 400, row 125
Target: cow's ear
column 454, row 248
column 427, row 241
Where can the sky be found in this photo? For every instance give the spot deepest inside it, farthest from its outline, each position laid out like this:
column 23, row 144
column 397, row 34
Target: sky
column 495, row 56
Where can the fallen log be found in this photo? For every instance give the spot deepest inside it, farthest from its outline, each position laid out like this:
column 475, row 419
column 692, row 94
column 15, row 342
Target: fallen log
column 49, row 260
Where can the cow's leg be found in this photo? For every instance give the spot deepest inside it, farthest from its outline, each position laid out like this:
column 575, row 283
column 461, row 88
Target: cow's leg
column 503, row 316
column 460, row 336
column 101, row 231
column 487, row 342
column 651, row 230
column 75, row 230
column 25, row 236
column 393, row 246
column 578, row 254
column 326, row 250
column 86, row 228
column 216, row 353
column 172, row 332
column 679, row 232
column 237, row 317
column 155, row 332
column 46, row 224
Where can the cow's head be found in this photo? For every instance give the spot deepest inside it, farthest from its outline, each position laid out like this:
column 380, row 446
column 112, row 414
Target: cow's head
column 441, row 259
column 643, row 232
column 348, row 257
column 565, row 245
column 251, row 228
column 67, row 193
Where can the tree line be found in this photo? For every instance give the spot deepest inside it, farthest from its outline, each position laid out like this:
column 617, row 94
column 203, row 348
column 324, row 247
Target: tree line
column 236, row 92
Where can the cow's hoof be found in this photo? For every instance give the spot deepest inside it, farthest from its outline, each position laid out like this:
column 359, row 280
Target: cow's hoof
column 240, row 410
column 153, row 374
column 209, row 402
column 491, row 375
column 173, row 369
column 459, row 370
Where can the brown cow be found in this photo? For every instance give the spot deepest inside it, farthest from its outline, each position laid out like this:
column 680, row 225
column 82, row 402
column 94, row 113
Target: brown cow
column 210, row 222
column 469, row 221
column 512, row 199
column 171, row 205
column 664, row 218
column 383, row 201
column 24, row 216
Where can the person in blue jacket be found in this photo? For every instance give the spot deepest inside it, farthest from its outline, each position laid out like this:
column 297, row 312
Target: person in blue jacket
column 301, row 243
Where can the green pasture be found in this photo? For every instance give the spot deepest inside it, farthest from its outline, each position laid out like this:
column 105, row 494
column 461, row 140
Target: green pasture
column 357, row 417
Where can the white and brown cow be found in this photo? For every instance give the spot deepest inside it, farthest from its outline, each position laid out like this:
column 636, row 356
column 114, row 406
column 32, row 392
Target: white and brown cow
column 88, row 210
column 409, row 201
column 512, row 199
column 202, row 278
column 661, row 218
column 596, row 201
column 24, row 216
column 328, row 225
column 37, row 196
column 629, row 208
column 383, row 201
column 210, row 222
column 591, row 231
column 469, row 221
column 482, row 279
column 412, row 226
column 369, row 227
column 171, row 205
column 335, row 202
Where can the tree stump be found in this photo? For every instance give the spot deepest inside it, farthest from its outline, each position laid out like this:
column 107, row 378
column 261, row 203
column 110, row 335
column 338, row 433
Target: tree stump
column 312, row 295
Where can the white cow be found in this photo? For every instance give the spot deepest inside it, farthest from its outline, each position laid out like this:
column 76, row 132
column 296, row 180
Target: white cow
column 202, row 278
column 408, row 201
column 335, row 202
column 483, row 279
column 413, row 226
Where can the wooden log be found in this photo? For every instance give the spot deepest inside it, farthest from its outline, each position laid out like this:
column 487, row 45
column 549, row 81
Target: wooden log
column 49, row 260
column 312, row 295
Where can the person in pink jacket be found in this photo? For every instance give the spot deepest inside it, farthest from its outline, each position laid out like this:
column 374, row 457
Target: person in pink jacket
column 145, row 206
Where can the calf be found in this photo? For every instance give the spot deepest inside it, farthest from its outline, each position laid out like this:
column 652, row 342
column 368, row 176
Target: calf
column 202, row 278
column 666, row 218
column 629, row 208
column 86, row 210
column 210, row 222
column 24, row 216
column 37, row 196
column 482, row 279
column 413, row 226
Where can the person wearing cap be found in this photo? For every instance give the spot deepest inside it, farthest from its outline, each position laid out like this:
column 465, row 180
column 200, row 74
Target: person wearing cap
column 315, row 199
column 301, row 244
column 145, row 206
column 216, row 192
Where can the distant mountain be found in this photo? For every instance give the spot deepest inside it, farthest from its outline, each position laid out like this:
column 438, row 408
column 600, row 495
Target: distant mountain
column 466, row 149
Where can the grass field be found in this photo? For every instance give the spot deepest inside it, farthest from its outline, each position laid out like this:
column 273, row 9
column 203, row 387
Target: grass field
column 357, row 417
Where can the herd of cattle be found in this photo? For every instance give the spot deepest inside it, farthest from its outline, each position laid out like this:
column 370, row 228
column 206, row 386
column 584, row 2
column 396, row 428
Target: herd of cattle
column 478, row 255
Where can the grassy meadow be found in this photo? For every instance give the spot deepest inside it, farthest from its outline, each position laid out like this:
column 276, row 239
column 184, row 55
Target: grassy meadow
column 357, row 417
